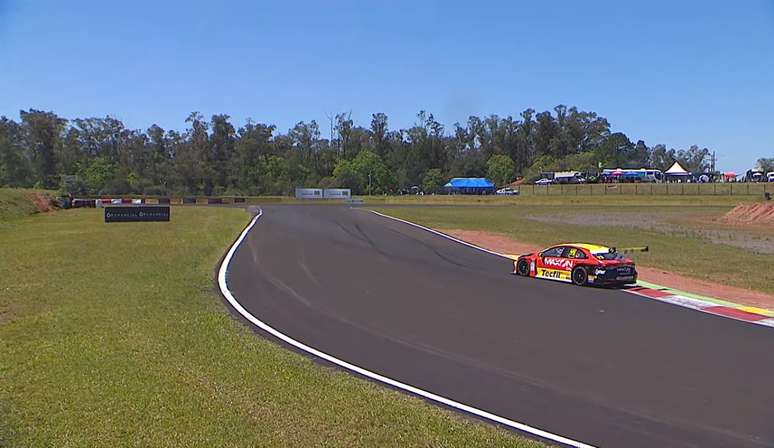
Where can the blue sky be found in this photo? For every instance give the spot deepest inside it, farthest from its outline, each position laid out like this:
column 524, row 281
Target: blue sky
column 672, row 72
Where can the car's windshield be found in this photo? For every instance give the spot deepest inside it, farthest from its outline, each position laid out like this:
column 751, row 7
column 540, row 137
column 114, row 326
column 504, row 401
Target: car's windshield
column 609, row 256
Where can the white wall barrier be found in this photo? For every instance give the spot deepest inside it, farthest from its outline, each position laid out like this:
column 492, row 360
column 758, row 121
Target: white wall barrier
column 337, row 193
column 309, row 193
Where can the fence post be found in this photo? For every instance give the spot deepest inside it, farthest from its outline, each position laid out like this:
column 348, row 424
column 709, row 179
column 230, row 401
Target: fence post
column 748, row 188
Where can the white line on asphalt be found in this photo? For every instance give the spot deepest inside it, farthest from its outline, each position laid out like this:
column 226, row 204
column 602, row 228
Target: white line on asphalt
column 222, row 282
column 440, row 234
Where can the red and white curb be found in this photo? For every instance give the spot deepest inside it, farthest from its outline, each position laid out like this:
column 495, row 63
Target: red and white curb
column 232, row 300
column 716, row 307
column 731, row 311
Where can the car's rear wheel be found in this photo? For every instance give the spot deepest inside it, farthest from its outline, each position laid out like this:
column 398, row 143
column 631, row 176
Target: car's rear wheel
column 580, row 276
column 522, row 268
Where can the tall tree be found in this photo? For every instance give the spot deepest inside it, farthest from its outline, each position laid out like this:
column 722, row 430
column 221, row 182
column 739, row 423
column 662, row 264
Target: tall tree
column 379, row 129
column 343, row 128
column 222, row 141
column 660, row 158
column 694, row 159
column 43, row 136
column 15, row 169
column 191, row 156
column 499, row 169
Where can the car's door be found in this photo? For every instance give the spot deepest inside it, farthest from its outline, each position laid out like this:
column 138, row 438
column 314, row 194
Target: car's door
column 551, row 264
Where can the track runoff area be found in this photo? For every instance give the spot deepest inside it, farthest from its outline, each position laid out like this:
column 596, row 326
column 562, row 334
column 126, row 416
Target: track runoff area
column 443, row 320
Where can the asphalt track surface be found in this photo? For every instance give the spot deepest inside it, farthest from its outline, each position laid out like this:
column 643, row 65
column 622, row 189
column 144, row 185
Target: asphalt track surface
column 600, row 366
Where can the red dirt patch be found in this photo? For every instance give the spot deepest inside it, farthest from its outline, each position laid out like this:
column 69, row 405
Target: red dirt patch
column 760, row 213
column 41, row 202
column 497, row 242
column 504, row 244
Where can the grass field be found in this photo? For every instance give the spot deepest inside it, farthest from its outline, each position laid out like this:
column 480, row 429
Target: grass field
column 682, row 237
column 15, row 203
column 112, row 335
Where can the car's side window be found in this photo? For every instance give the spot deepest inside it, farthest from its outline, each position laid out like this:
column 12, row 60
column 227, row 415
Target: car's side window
column 574, row 252
column 553, row 252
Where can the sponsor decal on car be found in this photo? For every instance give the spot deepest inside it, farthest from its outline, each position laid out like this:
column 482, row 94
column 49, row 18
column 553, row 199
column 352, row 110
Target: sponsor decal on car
column 563, row 263
column 554, row 274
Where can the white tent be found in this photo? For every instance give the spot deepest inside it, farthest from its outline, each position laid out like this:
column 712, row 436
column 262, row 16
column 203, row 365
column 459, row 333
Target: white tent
column 677, row 170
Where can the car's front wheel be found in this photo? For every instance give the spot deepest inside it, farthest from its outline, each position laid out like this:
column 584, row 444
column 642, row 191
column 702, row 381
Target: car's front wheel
column 580, row 276
column 522, row 268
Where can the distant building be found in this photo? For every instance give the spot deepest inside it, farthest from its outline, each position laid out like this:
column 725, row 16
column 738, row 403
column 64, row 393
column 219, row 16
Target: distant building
column 470, row 185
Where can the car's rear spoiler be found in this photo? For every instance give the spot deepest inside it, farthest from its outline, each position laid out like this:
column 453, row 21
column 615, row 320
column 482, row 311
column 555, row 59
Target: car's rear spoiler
column 630, row 249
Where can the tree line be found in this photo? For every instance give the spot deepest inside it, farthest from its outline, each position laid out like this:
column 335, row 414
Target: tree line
column 215, row 157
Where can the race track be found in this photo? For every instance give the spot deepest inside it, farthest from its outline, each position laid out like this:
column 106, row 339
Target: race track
column 600, row 366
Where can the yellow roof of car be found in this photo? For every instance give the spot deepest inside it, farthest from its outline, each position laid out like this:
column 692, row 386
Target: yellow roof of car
column 593, row 248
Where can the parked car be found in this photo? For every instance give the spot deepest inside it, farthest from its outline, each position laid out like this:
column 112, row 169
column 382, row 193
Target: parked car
column 507, row 191
column 544, row 182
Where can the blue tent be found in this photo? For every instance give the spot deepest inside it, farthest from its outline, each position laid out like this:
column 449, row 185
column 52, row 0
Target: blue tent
column 470, row 185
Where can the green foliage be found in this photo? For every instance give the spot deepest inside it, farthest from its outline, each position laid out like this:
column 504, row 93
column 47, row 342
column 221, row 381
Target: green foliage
column 15, row 170
column 374, row 174
column 365, row 174
column 615, row 151
column 346, row 176
column 433, row 181
column 42, row 135
column 97, row 174
column 499, row 169
column 214, row 156
column 273, row 173
column 694, row 159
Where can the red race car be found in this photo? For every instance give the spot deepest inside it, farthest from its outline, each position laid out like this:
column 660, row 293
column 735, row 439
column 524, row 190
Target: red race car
column 578, row 263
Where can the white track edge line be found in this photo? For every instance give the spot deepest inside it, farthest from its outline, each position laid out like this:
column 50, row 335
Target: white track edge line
column 683, row 303
column 222, row 283
column 428, row 229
